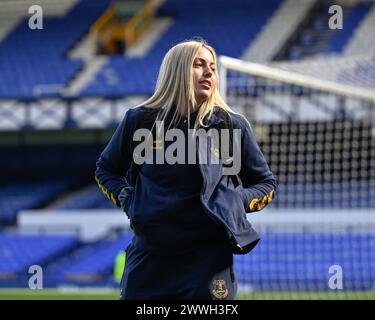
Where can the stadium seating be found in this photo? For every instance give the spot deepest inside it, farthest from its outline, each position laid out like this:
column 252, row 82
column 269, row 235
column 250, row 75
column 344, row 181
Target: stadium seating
column 89, row 262
column 284, row 261
column 62, row 257
column 316, row 39
column 313, row 171
column 299, row 261
column 352, row 19
column 86, row 198
column 363, row 74
column 34, row 63
column 28, row 57
column 18, row 196
column 325, row 195
column 230, row 35
column 18, row 251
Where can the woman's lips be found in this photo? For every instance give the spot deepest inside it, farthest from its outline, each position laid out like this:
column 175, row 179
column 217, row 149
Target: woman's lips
column 205, row 84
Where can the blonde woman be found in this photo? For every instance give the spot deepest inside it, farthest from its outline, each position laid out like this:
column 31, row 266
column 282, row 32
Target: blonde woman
column 188, row 217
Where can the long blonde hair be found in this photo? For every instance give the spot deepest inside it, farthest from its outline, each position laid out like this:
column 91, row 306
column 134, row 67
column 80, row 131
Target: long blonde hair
column 175, row 85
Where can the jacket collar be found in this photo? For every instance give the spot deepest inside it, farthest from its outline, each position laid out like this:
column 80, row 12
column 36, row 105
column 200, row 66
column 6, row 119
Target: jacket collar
column 215, row 118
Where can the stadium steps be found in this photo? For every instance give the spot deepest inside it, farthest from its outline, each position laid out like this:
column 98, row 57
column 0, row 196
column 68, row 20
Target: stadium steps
column 91, row 67
column 94, row 63
column 359, row 42
column 352, row 21
column 12, row 12
column 278, row 30
column 24, row 50
column 84, row 50
column 148, row 40
column 314, row 38
column 8, row 25
column 123, row 75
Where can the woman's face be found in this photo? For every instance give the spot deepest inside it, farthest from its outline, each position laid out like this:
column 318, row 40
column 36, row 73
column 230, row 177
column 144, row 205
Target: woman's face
column 203, row 75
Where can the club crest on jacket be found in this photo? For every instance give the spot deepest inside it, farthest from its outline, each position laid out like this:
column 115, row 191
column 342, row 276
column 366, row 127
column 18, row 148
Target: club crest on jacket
column 220, row 290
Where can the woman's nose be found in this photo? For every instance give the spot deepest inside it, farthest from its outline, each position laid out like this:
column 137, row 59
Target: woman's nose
column 208, row 72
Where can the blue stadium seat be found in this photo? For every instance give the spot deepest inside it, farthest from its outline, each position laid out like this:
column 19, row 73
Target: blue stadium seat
column 29, row 58
column 327, row 194
column 89, row 262
column 88, row 198
column 18, row 196
column 18, row 252
column 230, row 34
column 300, row 261
column 351, row 21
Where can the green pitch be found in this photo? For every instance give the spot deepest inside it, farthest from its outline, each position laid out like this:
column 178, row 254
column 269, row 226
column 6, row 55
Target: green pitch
column 52, row 294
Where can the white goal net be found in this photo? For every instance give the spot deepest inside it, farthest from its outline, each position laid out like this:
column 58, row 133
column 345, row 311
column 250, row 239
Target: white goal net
column 318, row 236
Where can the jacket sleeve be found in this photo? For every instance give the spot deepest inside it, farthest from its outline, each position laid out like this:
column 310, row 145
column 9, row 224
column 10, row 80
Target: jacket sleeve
column 259, row 184
column 115, row 160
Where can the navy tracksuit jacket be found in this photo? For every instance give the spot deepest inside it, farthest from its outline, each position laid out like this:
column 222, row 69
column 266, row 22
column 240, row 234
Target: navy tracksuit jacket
column 187, row 220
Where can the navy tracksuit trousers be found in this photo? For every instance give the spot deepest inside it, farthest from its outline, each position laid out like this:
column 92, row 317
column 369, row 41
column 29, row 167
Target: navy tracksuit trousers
column 203, row 274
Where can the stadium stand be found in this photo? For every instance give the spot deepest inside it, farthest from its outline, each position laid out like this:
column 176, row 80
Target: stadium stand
column 362, row 74
column 320, row 145
column 359, row 42
column 326, row 68
column 64, row 258
column 91, row 262
column 315, row 39
column 89, row 197
column 280, row 27
column 355, row 15
column 298, row 261
column 230, row 35
column 17, row 196
column 62, row 33
column 27, row 74
column 28, row 56
column 345, row 56
column 315, row 180
column 18, row 251
column 13, row 11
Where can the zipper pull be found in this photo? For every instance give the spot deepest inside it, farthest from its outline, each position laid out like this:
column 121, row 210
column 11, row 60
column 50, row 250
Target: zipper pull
column 239, row 247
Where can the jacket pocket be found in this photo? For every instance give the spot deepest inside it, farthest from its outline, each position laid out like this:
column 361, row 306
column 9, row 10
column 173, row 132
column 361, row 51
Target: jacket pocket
column 128, row 202
column 238, row 190
column 125, row 197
